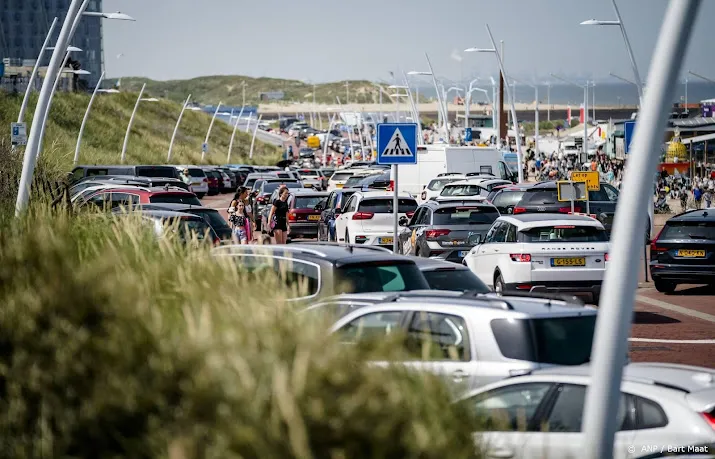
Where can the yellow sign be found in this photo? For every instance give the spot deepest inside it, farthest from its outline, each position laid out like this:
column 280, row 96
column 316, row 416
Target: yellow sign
column 313, row 142
column 591, row 178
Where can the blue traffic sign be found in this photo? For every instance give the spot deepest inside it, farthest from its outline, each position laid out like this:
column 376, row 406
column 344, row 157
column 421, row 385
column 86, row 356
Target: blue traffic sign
column 628, row 131
column 397, row 143
column 468, row 134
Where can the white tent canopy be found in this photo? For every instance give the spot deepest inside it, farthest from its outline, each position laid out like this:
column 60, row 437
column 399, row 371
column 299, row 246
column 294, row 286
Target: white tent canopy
column 699, row 138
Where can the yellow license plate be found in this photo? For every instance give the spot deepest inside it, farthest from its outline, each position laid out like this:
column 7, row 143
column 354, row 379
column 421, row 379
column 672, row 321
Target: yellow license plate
column 691, row 253
column 313, row 217
column 568, row 261
column 338, row 185
column 385, row 240
column 307, row 185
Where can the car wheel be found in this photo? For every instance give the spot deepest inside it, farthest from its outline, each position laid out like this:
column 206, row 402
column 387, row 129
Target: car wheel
column 664, row 286
column 499, row 286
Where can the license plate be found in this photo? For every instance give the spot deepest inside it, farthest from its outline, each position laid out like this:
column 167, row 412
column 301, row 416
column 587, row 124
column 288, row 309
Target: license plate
column 307, row 185
column 457, row 242
column 462, row 253
column 384, row 240
column 568, row 261
column 313, row 217
column 338, row 185
column 691, row 253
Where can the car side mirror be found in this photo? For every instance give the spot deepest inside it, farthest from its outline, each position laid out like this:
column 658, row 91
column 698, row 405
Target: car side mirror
column 403, row 221
column 476, row 239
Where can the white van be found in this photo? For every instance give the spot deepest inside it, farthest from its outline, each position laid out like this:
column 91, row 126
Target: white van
column 433, row 160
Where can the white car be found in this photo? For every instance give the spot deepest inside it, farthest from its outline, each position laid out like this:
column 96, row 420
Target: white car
column 434, row 187
column 199, row 182
column 541, row 415
column 543, row 253
column 468, row 187
column 339, row 177
column 367, row 218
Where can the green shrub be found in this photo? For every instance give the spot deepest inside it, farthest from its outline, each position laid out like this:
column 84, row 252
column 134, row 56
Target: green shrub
column 114, row 344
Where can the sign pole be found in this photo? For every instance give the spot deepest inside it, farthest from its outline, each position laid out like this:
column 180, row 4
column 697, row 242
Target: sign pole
column 588, row 202
column 573, row 197
column 395, row 209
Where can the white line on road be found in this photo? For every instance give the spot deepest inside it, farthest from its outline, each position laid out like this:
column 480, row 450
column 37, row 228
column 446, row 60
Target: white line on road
column 675, row 308
column 673, row 341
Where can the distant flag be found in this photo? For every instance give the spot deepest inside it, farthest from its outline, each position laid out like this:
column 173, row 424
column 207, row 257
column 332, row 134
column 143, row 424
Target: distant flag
column 581, row 114
column 568, row 115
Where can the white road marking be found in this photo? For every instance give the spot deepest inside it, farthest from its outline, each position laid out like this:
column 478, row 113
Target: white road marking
column 673, row 341
column 675, row 308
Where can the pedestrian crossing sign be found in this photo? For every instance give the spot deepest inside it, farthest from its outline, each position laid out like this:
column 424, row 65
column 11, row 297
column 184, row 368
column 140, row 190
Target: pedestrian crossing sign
column 397, row 143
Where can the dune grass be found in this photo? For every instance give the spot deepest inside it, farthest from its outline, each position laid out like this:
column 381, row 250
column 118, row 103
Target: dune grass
column 116, row 344
column 149, row 139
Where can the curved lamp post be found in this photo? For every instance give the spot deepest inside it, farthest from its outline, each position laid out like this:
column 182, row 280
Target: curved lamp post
column 208, row 133
column 253, row 140
column 84, row 120
column 176, row 128
column 233, row 135
column 31, row 82
column 131, row 122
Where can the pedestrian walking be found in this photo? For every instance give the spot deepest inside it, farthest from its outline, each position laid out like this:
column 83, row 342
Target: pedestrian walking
column 708, row 197
column 278, row 217
column 239, row 222
column 697, row 196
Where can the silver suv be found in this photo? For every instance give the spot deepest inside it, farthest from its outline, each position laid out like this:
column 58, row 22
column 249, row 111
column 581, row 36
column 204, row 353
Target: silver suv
column 470, row 339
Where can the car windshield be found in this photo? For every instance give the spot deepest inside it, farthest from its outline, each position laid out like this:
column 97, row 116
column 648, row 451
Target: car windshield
column 384, row 205
column 213, row 218
column 542, row 196
column 355, row 180
column 463, row 190
column 688, row 230
column 175, row 198
column 553, row 340
column 467, row 215
column 563, row 233
column 439, row 183
column 454, row 279
column 341, row 176
column 308, row 202
column 379, row 277
column 507, row 198
column 157, row 171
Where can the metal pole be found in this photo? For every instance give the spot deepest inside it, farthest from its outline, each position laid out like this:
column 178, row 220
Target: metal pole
column 395, row 208
column 253, row 140
column 585, row 120
column 233, row 135
column 513, row 108
column 414, row 108
column 33, row 76
column 686, row 95
column 33, row 142
column 248, row 122
column 548, row 103
column 536, row 122
column 621, row 278
column 350, row 130
column 636, row 74
column 46, row 115
column 208, row 133
column 176, row 128
column 436, row 88
column 381, row 117
column 593, row 97
column 325, row 143
column 84, row 120
column 131, row 122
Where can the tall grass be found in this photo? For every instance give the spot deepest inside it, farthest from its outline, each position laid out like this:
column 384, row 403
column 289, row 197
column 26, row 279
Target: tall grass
column 116, row 344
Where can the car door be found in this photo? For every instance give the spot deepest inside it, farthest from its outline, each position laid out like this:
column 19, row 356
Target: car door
column 509, row 414
column 342, row 220
column 370, row 327
column 419, row 245
column 561, row 433
column 324, row 215
column 651, row 427
column 442, row 345
column 488, row 253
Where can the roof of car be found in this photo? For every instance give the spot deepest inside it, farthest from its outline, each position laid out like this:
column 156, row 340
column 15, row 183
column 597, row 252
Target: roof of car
column 469, row 181
column 452, row 201
column 382, row 194
column 528, row 220
column 166, row 214
column 333, row 253
column 695, row 216
column 309, row 192
column 152, row 190
column 174, row 207
column 432, row 264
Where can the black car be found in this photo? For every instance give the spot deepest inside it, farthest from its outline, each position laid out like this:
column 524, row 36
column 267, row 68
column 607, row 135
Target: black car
column 684, row 251
column 265, row 190
column 446, row 228
column 370, row 182
column 505, row 199
column 443, row 275
column 211, row 216
column 148, row 182
column 315, row 270
column 215, row 181
column 326, row 224
column 80, row 172
column 231, row 175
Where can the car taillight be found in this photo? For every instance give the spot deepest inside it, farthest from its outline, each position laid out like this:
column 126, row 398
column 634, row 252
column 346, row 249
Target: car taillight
column 363, row 215
column 710, row 418
column 424, row 195
column 260, row 199
column 205, row 180
column 217, row 241
column 434, row 234
column 292, row 216
column 654, row 243
column 607, row 258
column 409, row 214
column 520, row 257
column 567, row 210
column 519, row 210
column 391, row 186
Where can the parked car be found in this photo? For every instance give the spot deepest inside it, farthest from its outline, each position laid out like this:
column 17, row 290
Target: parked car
column 684, row 251
column 252, row 177
column 80, row 172
column 112, row 198
column 232, row 177
column 338, row 179
column 120, row 180
column 199, row 180
column 435, row 186
column 215, row 181
column 505, row 199
column 372, row 182
column 446, row 229
column 444, row 275
column 359, row 175
column 475, row 339
column 328, row 270
column 464, row 188
column 263, row 198
column 311, row 178
column 368, row 218
column 661, row 404
column 304, row 213
column 542, row 252
column 326, row 224
column 212, row 216
column 187, row 227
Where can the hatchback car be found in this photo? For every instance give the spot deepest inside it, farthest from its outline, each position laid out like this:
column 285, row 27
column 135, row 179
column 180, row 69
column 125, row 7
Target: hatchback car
column 473, row 339
column 187, row 227
column 435, row 186
column 199, row 180
column 684, row 251
column 541, row 414
column 506, row 198
column 446, row 229
column 443, row 275
column 464, row 188
column 304, row 213
column 112, row 198
column 332, row 208
column 212, row 216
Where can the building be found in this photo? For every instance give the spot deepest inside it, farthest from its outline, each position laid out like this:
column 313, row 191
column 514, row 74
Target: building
column 24, row 25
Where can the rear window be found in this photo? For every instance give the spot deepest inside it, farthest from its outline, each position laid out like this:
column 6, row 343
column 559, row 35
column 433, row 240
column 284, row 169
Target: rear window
column 465, row 216
column 508, row 198
column 187, row 228
column 384, row 205
column 439, row 183
column 380, row 277
column 563, row 233
column 157, row 171
column 309, row 173
column 689, row 230
column 196, row 172
column 341, row 176
column 271, row 187
column 554, row 340
column 549, row 196
column 301, row 278
column 308, row 202
column 354, row 180
column 175, row 198
column 463, row 190
column 454, row 279
column 213, row 218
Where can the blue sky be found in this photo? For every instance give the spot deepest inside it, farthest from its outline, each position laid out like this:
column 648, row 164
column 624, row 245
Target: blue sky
column 324, row 40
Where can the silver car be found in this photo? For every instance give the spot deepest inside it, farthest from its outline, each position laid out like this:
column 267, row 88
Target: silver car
column 471, row 339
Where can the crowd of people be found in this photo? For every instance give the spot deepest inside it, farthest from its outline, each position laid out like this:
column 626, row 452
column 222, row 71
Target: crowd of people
column 558, row 166
column 697, row 193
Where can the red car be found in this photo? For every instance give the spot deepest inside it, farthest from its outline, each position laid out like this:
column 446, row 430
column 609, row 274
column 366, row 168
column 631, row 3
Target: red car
column 111, row 198
column 304, row 213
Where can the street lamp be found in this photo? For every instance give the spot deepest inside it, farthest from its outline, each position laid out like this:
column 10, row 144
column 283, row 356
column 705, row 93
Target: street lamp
column 23, row 107
column 176, row 128
column 205, row 146
column 84, row 120
column 436, row 88
column 625, row 80
column 253, row 140
column 233, row 135
column 536, row 116
column 585, row 109
column 131, row 120
column 119, row 16
column 509, row 95
column 690, row 72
